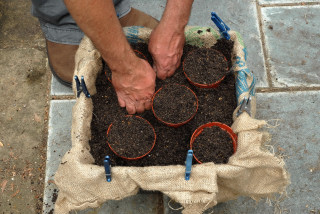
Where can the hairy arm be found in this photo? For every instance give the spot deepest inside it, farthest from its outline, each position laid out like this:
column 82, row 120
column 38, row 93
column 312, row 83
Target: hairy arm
column 132, row 78
column 167, row 39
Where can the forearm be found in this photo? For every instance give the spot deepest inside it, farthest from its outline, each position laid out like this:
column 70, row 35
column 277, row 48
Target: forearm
column 98, row 20
column 177, row 13
column 133, row 79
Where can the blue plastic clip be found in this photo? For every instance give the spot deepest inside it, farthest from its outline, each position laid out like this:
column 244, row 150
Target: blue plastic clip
column 223, row 28
column 245, row 106
column 107, row 167
column 81, row 87
column 188, row 164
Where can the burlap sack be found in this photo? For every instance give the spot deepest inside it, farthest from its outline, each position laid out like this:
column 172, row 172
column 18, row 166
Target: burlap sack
column 251, row 171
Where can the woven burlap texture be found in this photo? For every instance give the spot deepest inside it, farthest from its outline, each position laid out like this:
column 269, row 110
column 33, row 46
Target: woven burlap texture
column 251, row 171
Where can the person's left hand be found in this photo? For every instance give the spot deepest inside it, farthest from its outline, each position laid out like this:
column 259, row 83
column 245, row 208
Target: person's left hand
column 166, row 47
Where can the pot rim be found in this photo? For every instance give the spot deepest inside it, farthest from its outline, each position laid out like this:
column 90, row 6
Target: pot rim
column 175, row 125
column 139, row 157
column 201, row 85
column 223, row 126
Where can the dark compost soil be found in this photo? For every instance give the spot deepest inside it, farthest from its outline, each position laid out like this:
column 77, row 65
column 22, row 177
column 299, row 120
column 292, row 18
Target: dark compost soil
column 205, row 66
column 172, row 144
column 130, row 137
column 174, row 104
column 213, row 145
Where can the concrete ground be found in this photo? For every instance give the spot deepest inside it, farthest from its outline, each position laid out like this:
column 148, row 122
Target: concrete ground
column 283, row 42
column 24, row 95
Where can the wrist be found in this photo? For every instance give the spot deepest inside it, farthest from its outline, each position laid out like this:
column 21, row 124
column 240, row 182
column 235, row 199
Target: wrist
column 170, row 29
column 171, row 25
column 121, row 60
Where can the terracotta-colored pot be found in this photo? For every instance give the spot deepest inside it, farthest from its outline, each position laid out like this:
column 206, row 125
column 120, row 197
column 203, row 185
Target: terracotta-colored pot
column 209, row 85
column 174, row 124
column 224, row 127
column 141, row 156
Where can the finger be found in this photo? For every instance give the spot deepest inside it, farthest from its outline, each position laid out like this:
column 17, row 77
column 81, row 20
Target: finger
column 130, row 108
column 171, row 72
column 121, row 102
column 140, row 106
column 148, row 104
column 161, row 74
column 178, row 63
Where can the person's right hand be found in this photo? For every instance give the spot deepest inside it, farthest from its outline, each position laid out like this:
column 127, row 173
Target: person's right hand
column 135, row 86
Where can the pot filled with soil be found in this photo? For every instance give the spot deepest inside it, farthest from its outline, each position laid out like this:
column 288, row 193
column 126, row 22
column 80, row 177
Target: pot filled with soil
column 108, row 72
column 213, row 142
column 205, row 67
column 131, row 137
column 174, row 104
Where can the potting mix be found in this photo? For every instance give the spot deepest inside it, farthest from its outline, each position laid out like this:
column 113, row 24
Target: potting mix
column 251, row 171
column 175, row 102
column 130, row 137
column 206, row 67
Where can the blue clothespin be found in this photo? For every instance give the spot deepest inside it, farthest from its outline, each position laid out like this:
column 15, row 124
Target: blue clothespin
column 107, row 167
column 81, row 87
column 245, row 106
column 188, row 164
column 223, row 28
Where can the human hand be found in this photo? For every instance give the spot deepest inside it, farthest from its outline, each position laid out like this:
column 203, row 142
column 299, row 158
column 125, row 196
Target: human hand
column 166, row 47
column 135, row 86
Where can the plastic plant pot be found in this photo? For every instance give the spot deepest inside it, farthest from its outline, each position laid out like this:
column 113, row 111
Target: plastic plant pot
column 108, row 72
column 224, row 127
column 206, row 85
column 127, row 146
column 177, row 100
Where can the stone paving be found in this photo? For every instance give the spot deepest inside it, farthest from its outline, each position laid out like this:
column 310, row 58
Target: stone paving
column 283, row 42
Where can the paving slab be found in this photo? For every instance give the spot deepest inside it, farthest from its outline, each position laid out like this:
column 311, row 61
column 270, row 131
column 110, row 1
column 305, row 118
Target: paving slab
column 170, row 206
column 58, row 89
column 293, row 44
column 59, row 142
column 243, row 205
column 154, row 8
column 297, row 140
column 270, row 2
column 142, row 203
